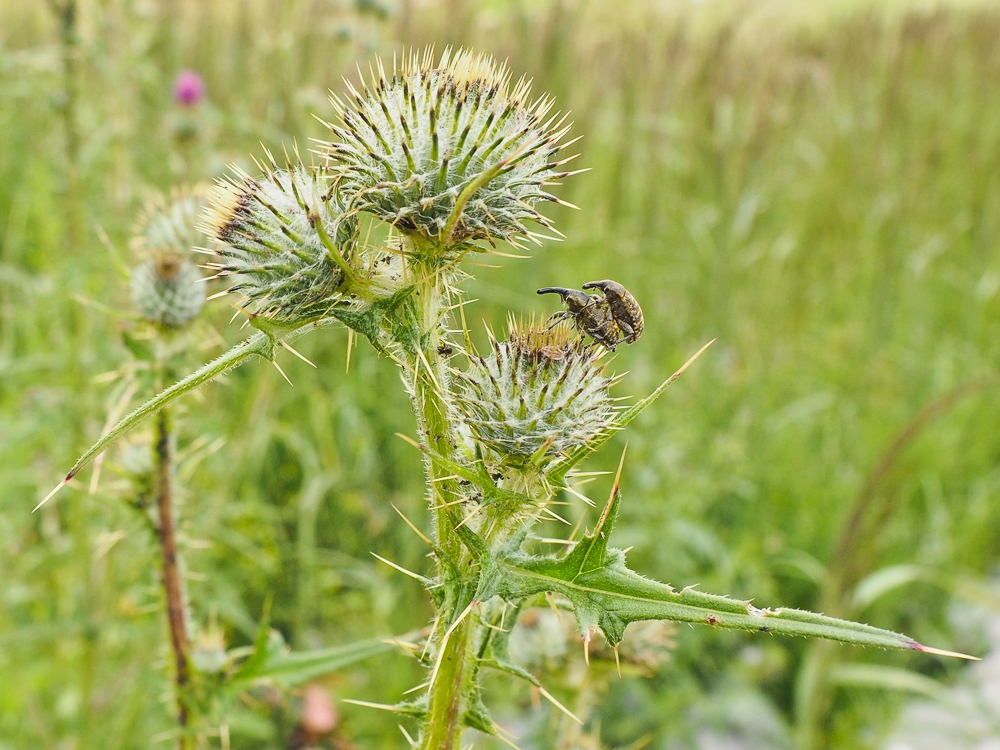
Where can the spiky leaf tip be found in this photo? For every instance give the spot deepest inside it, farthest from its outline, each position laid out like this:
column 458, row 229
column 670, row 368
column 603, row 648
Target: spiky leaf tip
column 452, row 152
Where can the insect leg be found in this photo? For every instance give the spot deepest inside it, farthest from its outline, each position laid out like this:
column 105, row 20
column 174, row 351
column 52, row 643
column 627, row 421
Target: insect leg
column 627, row 330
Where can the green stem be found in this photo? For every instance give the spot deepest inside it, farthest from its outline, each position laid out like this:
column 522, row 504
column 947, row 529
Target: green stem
column 445, row 711
column 173, row 585
column 69, row 39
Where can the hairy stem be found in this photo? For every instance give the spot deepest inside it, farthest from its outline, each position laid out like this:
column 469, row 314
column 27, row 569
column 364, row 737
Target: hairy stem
column 443, row 727
column 173, row 586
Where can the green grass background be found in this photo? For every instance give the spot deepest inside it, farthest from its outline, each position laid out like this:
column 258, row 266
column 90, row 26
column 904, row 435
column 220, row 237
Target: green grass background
column 816, row 186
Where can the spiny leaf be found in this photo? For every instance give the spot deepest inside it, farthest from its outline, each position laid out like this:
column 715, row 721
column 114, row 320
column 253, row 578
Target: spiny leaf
column 481, row 480
column 368, row 321
column 606, row 594
column 261, row 344
column 611, row 596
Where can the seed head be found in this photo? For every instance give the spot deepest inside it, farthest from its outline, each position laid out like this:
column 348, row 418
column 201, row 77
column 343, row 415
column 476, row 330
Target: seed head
column 166, row 285
column 426, row 138
column 539, row 391
column 285, row 238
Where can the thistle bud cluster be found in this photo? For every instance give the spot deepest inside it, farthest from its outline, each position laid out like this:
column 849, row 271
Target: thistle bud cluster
column 446, row 154
column 166, row 286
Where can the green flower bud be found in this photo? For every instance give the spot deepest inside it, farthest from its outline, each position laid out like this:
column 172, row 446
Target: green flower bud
column 171, row 224
column 537, row 395
column 208, row 652
column 427, row 139
column 284, row 237
column 167, row 288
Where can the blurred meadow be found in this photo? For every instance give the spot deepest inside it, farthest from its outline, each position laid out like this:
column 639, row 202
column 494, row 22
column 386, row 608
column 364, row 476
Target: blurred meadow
column 817, row 186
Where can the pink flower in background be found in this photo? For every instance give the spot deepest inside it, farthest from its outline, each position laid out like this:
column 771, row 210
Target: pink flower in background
column 189, row 88
column 319, row 717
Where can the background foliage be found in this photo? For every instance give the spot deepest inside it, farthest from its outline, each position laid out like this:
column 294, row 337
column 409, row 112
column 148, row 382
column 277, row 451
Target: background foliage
column 818, row 190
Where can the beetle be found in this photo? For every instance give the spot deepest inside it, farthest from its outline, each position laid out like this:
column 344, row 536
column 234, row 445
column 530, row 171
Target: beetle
column 624, row 308
column 590, row 314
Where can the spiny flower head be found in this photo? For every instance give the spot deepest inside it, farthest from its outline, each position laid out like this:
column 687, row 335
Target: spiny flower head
column 428, row 139
column 538, row 394
column 167, row 287
column 171, row 222
column 285, row 238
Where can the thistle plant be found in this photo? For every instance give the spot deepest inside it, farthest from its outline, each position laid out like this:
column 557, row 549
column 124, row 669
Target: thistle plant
column 454, row 158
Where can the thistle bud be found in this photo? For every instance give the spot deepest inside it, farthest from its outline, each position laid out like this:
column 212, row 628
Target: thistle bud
column 208, row 652
column 538, row 394
column 167, row 290
column 166, row 285
column 428, row 138
column 284, row 238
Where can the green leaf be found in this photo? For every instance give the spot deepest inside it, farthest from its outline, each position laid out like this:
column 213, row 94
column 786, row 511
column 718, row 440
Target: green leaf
column 290, row 669
column 141, row 350
column 606, row 594
column 260, row 344
column 368, row 321
column 499, row 649
column 272, row 660
column 887, row 678
column 887, row 579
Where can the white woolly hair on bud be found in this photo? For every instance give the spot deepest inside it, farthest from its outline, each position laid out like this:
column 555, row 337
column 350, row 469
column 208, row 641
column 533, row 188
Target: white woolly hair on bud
column 166, row 286
column 285, row 239
column 537, row 394
column 452, row 151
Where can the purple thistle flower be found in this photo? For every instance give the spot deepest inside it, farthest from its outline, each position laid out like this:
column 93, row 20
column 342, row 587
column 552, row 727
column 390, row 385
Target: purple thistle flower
column 189, row 88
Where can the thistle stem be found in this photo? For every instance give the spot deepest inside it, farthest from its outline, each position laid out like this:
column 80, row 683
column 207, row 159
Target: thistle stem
column 173, row 585
column 445, row 711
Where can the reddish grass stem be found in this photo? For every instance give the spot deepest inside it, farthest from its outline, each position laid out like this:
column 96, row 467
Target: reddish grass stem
column 173, row 585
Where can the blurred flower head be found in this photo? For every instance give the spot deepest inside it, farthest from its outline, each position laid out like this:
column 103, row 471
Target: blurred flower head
column 167, row 287
column 189, row 88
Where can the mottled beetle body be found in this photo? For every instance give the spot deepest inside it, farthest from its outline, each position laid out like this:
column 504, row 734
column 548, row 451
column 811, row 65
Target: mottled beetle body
column 623, row 306
column 590, row 314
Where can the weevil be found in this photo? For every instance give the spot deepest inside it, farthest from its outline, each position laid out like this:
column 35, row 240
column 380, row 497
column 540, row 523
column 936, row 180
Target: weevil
column 624, row 309
column 590, row 314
